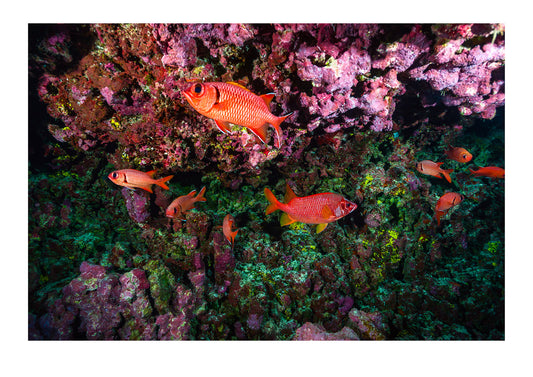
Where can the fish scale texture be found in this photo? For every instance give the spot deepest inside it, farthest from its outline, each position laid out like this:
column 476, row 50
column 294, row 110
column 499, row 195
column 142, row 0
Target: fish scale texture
column 309, row 209
column 241, row 107
column 138, row 177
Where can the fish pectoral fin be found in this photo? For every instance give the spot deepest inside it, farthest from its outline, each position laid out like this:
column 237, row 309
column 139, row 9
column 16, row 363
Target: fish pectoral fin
column 223, row 126
column 326, row 213
column 321, row 227
column 286, row 219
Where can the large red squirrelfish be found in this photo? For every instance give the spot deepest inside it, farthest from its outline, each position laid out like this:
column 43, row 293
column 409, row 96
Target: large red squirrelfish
column 489, row 171
column 445, row 202
column 320, row 209
column 179, row 207
column 132, row 178
column 433, row 168
column 230, row 102
column 227, row 226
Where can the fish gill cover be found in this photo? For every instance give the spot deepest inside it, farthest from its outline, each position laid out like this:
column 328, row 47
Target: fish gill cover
column 367, row 103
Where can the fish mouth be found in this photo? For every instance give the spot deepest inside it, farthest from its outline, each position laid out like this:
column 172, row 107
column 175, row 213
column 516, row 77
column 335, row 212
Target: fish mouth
column 187, row 95
column 353, row 208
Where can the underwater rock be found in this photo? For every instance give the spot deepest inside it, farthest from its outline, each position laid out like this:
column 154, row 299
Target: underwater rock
column 310, row 331
column 137, row 203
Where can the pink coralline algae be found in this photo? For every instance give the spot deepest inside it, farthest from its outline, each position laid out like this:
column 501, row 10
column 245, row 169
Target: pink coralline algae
column 224, row 259
column 137, row 204
column 332, row 77
column 310, row 331
column 108, row 306
column 467, row 75
column 367, row 325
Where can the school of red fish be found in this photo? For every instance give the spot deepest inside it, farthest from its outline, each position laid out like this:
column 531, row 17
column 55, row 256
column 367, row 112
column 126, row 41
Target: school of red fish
column 231, row 103
column 451, row 199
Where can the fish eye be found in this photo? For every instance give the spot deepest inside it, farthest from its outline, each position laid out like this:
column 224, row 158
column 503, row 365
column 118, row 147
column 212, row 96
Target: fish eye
column 198, row 88
column 175, row 209
column 465, row 156
column 115, row 175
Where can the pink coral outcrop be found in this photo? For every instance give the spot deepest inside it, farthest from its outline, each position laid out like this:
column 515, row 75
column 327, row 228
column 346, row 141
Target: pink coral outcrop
column 310, row 331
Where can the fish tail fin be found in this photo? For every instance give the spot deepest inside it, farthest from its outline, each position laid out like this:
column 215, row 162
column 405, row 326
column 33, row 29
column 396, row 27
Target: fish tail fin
column 446, row 174
column 276, row 124
column 231, row 238
column 161, row 181
column 274, row 203
column 200, row 197
column 438, row 215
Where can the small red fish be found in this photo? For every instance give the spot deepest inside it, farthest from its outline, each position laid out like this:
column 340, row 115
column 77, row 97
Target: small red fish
column 179, row 207
column 445, row 202
column 230, row 102
column 227, row 226
column 318, row 209
column 132, row 178
column 489, row 171
column 458, row 154
column 433, row 168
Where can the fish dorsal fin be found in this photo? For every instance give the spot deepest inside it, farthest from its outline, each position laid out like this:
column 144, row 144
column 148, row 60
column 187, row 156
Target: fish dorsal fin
column 151, row 173
column 200, row 197
column 237, row 84
column 289, row 194
column 326, row 213
column 439, row 163
column 321, row 227
column 267, row 98
column 285, row 219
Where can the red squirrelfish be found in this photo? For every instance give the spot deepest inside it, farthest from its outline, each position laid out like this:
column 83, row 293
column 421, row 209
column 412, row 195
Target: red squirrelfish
column 179, row 207
column 318, row 209
column 458, row 154
column 445, row 202
column 433, row 168
column 132, row 178
column 227, row 226
column 489, row 171
column 230, row 102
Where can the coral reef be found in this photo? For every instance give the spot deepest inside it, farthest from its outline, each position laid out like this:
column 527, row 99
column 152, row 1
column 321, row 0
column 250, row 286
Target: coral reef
column 368, row 102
